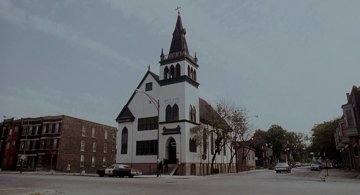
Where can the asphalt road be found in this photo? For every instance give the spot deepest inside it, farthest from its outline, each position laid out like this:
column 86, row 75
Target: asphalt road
column 300, row 181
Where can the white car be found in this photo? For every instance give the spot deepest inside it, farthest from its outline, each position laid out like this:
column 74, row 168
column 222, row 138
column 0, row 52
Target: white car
column 282, row 167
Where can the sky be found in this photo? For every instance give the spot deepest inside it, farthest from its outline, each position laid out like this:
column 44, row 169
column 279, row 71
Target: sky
column 289, row 62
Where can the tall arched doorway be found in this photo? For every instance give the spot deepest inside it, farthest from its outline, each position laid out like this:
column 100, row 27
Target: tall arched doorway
column 172, row 151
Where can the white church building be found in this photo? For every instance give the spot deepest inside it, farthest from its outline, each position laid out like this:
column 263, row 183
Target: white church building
column 154, row 125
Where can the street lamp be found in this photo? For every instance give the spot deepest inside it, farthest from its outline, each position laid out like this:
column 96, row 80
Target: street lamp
column 157, row 106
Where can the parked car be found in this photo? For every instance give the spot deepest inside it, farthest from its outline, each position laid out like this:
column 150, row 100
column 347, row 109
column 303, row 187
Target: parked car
column 282, row 167
column 315, row 166
column 118, row 170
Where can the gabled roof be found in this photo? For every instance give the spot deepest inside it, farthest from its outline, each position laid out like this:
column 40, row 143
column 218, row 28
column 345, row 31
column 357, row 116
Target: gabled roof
column 178, row 43
column 126, row 114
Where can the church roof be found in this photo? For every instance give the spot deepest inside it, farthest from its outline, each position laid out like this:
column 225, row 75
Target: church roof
column 178, row 42
column 126, row 114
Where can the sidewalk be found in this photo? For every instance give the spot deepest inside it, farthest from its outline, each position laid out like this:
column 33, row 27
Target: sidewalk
column 340, row 174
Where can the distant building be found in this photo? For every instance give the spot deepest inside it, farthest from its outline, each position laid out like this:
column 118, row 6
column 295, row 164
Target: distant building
column 347, row 136
column 246, row 159
column 155, row 123
column 51, row 142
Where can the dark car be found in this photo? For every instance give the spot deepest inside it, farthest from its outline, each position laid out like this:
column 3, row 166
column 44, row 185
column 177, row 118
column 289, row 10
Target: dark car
column 119, row 170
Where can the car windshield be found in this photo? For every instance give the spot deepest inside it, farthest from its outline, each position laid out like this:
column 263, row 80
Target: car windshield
column 281, row 164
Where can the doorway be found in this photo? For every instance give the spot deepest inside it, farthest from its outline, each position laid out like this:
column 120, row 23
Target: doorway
column 172, row 151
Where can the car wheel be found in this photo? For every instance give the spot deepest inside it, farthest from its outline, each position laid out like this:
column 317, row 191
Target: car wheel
column 131, row 176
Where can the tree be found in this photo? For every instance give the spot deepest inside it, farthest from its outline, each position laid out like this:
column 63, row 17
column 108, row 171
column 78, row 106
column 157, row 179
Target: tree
column 236, row 120
column 323, row 141
column 276, row 136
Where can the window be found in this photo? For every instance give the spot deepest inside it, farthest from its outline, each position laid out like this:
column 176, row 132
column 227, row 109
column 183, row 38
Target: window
column 30, row 130
column 192, row 113
column 44, row 129
column 124, row 141
column 37, row 132
column 172, row 113
column 57, row 125
column 149, row 123
column 168, row 113
column 192, row 145
column 82, row 146
column 194, row 75
column 175, row 112
column 105, row 148
column 55, row 141
column 189, row 72
column 178, row 71
column 13, row 144
column 1, row 142
column 8, row 145
column 94, row 146
column 149, row 147
column 10, row 132
column 166, row 73
column 172, row 72
column 93, row 161
column 148, row 86
column 93, row 131
column 106, row 134
column 83, row 131
column 212, row 142
column 82, row 160
column 350, row 118
column 104, row 161
column 42, row 144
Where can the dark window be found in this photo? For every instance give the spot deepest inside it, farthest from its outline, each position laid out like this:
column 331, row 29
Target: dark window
column 149, row 147
column 192, row 145
column 168, row 114
column 212, row 142
column 204, row 142
column 148, row 86
column 349, row 118
column 166, row 73
column 172, row 72
column 192, row 113
column 178, row 71
column 194, row 75
column 189, row 71
column 149, row 123
column 175, row 111
column 124, row 141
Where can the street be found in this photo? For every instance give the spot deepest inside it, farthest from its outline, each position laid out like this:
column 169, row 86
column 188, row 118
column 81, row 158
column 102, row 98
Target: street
column 299, row 181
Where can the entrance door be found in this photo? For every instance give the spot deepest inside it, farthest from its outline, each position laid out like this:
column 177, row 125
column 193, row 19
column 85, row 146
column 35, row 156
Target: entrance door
column 172, row 151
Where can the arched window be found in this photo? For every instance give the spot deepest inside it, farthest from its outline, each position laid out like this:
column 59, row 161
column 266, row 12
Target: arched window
column 194, row 114
column 168, row 113
column 166, row 73
column 175, row 112
column 190, row 113
column 194, row 74
column 124, row 141
column 189, row 71
column 172, row 72
column 178, row 71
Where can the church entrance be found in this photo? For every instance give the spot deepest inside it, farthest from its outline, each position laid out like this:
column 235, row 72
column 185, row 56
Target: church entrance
column 172, row 151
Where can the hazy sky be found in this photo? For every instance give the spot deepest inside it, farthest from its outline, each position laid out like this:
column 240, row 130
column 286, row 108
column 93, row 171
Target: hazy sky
column 290, row 62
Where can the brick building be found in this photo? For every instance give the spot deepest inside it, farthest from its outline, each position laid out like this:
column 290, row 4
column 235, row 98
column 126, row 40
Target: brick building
column 51, row 142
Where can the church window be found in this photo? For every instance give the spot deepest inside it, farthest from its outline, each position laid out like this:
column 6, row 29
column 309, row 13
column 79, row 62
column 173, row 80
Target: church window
column 192, row 113
column 166, row 73
column 172, row 72
column 168, row 116
column 189, row 72
column 175, row 111
column 194, row 75
column 148, row 86
column 149, row 123
column 148, row 147
column 192, row 145
column 124, row 141
column 178, row 71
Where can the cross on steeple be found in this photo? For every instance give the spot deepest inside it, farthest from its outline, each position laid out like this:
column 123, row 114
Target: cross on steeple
column 178, row 9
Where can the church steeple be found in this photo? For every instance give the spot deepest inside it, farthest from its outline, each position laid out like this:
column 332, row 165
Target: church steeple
column 178, row 43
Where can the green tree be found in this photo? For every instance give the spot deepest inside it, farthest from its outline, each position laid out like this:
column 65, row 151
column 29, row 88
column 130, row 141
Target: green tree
column 323, row 141
column 276, row 136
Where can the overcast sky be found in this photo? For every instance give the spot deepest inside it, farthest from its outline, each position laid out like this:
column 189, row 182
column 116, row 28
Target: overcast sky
column 290, row 62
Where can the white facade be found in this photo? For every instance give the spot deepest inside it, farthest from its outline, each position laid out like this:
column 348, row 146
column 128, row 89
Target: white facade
column 176, row 91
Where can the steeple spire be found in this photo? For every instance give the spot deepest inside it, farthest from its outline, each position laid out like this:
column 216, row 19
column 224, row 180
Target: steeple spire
column 178, row 43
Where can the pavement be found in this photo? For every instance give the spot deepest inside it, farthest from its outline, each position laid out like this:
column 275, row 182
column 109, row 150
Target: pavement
column 330, row 174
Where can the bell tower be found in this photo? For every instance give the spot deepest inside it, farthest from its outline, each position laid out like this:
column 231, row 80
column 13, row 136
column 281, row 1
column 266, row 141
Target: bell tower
column 179, row 96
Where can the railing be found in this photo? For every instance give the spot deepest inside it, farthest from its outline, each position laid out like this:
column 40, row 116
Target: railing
column 178, row 54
